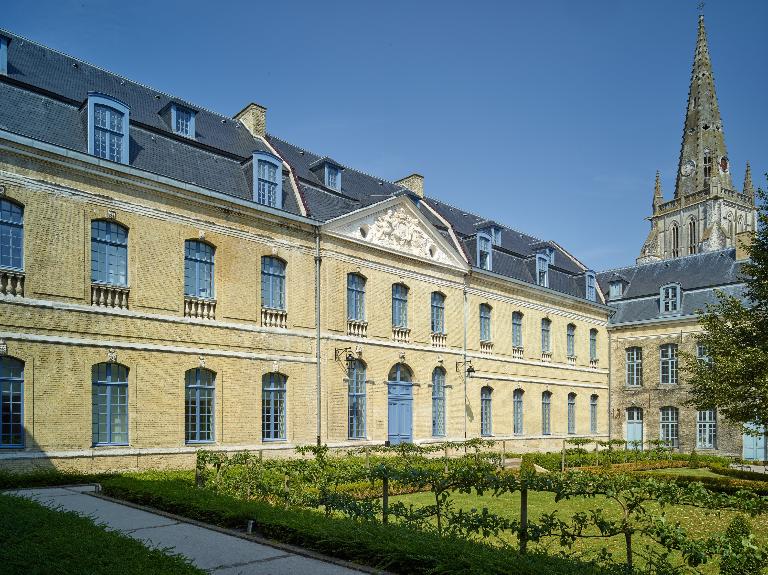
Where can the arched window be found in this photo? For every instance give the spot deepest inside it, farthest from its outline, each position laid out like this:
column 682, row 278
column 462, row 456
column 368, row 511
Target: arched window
column 706, row 429
column 11, row 235
column 546, row 326
column 634, row 366
column 438, row 402
column 272, row 283
column 400, row 373
column 668, row 432
column 355, row 297
column 693, row 241
column 546, row 413
column 668, row 367
column 108, row 128
column 592, row 344
column 571, row 413
column 399, row 305
column 485, row 322
column 486, row 411
column 200, row 387
column 570, row 340
column 11, row 402
column 357, row 400
column 517, row 329
column 517, row 411
column 109, row 253
column 273, row 412
column 635, row 428
column 593, row 413
column 110, row 404
column 267, row 179
column 198, row 269
column 438, row 313
column 675, row 240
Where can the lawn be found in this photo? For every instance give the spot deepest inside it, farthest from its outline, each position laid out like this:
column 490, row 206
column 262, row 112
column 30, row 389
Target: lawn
column 699, row 523
column 37, row 540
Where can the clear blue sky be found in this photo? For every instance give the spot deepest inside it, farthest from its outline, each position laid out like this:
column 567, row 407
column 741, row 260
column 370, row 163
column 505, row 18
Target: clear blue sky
column 550, row 116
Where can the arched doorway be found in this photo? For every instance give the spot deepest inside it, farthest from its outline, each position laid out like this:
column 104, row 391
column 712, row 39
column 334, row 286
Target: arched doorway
column 400, row 404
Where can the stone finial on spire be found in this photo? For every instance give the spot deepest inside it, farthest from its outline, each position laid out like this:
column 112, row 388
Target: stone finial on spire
column 749, row 188
column 658, row 195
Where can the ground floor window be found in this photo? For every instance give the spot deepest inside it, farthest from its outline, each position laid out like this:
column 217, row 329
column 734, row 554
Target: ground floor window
column 273, row 407
column 438, row 402
column 485, row 411
column 198, row 405
column 110, row 404
column 11, row 402
column 668, row 432
column 706, row 429
column 357, row 397
column 546, row 408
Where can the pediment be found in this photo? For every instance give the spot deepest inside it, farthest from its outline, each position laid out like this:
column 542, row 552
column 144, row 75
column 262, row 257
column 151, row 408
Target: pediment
column 396, row 225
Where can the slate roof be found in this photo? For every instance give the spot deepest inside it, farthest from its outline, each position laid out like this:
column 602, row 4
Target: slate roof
column 44, row 94
column 700, row 277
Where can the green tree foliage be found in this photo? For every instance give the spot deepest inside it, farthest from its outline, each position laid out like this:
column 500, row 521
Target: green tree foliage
column 734, row 377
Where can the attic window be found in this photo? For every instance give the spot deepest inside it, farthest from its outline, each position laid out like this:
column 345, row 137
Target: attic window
column 4, row 55
column 542, row 270
column 267, row 179
column 590, row 287
column 333, row 177
column 183, row 121
column 615, row 289
column 484, row 252
column 108, row 124
column 669, row 299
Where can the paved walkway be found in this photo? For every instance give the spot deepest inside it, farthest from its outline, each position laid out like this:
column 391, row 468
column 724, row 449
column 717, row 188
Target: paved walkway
column 218, row 552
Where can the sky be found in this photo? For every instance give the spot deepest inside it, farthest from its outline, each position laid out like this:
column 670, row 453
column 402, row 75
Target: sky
column 549, row 116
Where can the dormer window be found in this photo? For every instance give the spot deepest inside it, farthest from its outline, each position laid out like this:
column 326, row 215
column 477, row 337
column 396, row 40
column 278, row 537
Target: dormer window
column 183, row 121
column 484, row 252
column 496, row 235
column 542, row 270
column 615, row 289
column 333, row 177
column 267, row 180
column 551, row 255
column 4, row 55
column 670, row 299
column 108, row 128
column 591, row 290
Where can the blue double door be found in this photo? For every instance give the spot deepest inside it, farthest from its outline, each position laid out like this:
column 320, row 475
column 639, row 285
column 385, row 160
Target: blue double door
column 754, row 443
column 399, row 405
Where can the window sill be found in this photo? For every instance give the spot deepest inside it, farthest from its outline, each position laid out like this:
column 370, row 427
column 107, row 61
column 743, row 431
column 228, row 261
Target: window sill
column 200, row 442
column 274, row 440
column 95, row 445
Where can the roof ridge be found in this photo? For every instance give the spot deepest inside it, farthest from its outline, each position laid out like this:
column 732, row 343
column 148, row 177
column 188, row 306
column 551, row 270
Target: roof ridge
column 76, row 59
column 700, row 254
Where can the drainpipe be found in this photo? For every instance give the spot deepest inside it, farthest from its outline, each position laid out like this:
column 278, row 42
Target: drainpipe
column 464, row 353
column 318, row 366
column 610, row 387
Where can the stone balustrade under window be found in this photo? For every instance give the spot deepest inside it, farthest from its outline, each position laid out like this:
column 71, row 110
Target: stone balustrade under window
column 439, row 340
column 486, row 346
column 546, row 356
column 401, row 334
column 593, row 363
column 357, row 328
column 200, row 308
column 12, row 282
column 271, row 317
column 105, row 295
column 571, row 360
column 517, row 353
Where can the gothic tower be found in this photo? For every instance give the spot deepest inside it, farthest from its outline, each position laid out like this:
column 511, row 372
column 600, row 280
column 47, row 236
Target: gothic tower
column 706, row 212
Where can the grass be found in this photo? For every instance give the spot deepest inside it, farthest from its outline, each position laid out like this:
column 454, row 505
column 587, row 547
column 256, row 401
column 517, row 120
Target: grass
column 37, row 540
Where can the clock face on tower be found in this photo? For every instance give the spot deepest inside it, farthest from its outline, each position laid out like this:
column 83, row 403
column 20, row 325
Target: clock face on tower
column 687, row 168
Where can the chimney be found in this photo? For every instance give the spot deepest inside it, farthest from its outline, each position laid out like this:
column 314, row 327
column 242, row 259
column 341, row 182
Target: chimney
column 254, row 118
column 743, row 242
column 414, row 182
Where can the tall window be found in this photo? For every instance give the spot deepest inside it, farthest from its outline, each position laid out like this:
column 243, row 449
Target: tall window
column 273, row 416
column 110, row 404
column 357, row 400
column 670, row 298
column 517, row 411
column 668, row 432
column 692, row 237
column 542, row 270
column 546, row 326
column 546, row 411
column 109, row 253
column 593, row 345
column 484, row 254
column 399, row 305
column 485, row 411
column 635, row 428
column 200, row 385
column 272, row 283
column 706, row 429
column 183, row 120
column 593, row 413
column 438, row 402
column 517, row 329
column 198, row 269
column 707, row 164
column 485, row 322
column 266, row 191
column 11, row 235
column 108, row 128
column 702, row 353
column 332, row 177
column 570, row 340
column 668, row 353
column 634, row 366
column 591, row 290
column 675, row 240
column 355, row 297
column 11, row 402
column 438, row 312
column 571, row 413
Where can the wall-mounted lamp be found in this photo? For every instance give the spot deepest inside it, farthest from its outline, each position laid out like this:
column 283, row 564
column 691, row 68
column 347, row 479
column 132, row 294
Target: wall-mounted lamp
column 346, row 353
column 467, row 365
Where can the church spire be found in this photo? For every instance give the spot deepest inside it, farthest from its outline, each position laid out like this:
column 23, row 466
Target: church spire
column 703, row 156
column 749, row 188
